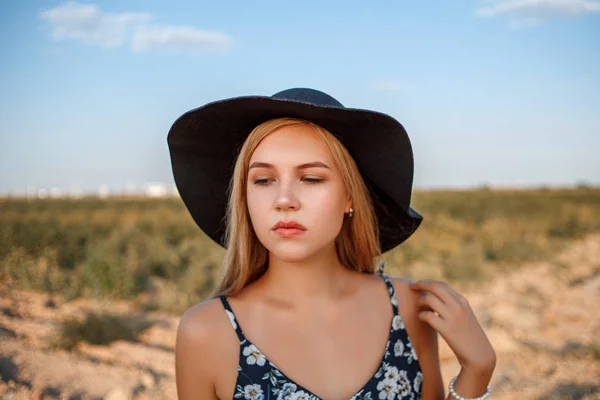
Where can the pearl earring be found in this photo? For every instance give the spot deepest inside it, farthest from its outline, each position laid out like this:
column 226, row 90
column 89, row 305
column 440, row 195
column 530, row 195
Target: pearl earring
column 351, row 213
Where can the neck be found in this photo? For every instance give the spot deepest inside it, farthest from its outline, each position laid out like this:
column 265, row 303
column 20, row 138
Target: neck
column 318, row 277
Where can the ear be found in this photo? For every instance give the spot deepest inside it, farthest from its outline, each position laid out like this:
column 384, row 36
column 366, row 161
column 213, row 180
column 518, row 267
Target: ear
column 348, row 205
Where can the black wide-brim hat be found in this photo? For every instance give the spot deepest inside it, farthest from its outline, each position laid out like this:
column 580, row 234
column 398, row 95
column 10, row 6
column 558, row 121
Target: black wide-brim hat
column 204, row 144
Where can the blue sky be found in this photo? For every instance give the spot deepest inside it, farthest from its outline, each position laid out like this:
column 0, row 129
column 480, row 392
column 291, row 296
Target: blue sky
column 498, row 92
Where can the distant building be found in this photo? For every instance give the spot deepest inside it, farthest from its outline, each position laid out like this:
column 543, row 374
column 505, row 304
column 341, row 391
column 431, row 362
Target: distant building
column 103, row 191
column 55, row 193
column 155, row 189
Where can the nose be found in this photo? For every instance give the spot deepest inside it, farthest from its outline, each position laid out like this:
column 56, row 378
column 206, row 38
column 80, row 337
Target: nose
column 286, row 199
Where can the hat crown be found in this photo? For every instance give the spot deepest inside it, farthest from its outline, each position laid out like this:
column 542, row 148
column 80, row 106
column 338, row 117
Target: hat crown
column 311, row 96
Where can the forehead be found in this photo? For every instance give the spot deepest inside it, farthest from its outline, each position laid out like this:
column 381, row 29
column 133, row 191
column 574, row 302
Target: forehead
column 292, row 144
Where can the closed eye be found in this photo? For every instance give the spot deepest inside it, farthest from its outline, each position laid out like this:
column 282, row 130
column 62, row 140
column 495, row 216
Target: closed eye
column 308, row 180
column 314, row 180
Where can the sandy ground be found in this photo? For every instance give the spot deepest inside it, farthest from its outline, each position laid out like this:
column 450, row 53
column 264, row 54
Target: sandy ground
column 542, row 320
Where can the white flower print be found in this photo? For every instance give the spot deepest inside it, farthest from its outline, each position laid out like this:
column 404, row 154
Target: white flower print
column 254, row 356
column 403, row 387
column 417, row 382
column 231, row 318
column 253, row 392
column 397, row 323
column 287, row 391
column 399, row 348
column 272, row 375
column 362, row 396
column 391, row 373
column 411, row 353
column 394, row 300
column 300, row 395
column 388, row 389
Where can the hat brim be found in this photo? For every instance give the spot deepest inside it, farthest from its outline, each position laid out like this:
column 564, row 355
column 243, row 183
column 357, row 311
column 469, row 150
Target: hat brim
column 205, row 142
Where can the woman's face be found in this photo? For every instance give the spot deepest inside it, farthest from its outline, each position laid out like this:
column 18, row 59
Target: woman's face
column 292, row 177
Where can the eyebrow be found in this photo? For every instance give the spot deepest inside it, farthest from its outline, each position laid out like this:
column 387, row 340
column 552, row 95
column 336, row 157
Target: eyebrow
column 314, row 164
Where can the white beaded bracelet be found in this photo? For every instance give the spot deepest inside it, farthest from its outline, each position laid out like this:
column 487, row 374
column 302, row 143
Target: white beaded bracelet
column 457, row 397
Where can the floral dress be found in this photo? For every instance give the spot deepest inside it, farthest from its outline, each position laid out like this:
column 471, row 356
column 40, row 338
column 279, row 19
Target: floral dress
column 398, row 377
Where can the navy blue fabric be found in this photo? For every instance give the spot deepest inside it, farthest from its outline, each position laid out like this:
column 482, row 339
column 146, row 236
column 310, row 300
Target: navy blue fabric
column 399, row 375
column 310, row 96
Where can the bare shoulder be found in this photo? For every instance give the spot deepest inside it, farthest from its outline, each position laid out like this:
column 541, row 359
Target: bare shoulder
column 423, row 337
column 201, row 320
column 407, row 304
column 204, row 350
column 407, row 298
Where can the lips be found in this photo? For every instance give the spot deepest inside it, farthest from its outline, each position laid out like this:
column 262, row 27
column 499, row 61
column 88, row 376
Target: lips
column 288, row 225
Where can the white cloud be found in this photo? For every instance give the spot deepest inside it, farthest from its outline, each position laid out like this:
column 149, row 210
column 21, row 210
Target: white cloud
column 526, row 13
column 88, row 24
column 386, row 86
column 179, row 39
column 521, row 23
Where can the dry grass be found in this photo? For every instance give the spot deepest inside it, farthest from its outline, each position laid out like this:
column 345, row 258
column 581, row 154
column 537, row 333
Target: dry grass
column 151, row 251
column 99, row 329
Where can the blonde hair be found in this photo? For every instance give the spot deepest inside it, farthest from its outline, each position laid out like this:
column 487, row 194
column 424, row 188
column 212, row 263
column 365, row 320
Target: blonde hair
column 246, row 258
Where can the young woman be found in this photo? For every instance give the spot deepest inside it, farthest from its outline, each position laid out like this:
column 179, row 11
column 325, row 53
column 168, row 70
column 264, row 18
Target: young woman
column 306, row 195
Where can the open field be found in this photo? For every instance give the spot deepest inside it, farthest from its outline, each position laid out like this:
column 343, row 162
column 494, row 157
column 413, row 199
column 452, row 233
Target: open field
column 91, row 290
column 150, row 251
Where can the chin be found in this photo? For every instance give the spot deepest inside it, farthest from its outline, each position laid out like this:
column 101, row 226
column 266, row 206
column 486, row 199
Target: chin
column 291, row 255
column 291, row 252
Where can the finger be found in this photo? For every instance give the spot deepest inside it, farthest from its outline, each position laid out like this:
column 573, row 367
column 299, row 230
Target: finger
column 436, row 287
column 459, row 297
column 459, row 300
column 433, row 320
column 433, row 302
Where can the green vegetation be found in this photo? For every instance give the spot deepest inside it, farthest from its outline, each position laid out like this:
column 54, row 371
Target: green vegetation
column 470, row 235
column 99, row 329
column 150, row 251
column 145, row 250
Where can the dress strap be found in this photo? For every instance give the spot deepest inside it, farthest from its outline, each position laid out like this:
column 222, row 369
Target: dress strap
column 390, row 287
column 232, row 318
column 381, row 267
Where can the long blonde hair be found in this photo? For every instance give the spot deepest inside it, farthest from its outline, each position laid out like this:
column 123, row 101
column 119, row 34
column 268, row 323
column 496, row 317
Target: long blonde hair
column 246, row 258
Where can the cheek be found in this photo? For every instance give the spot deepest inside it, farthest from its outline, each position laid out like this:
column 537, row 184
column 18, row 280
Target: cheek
column 326, row 211
column 327, row 204
column 259, row 205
